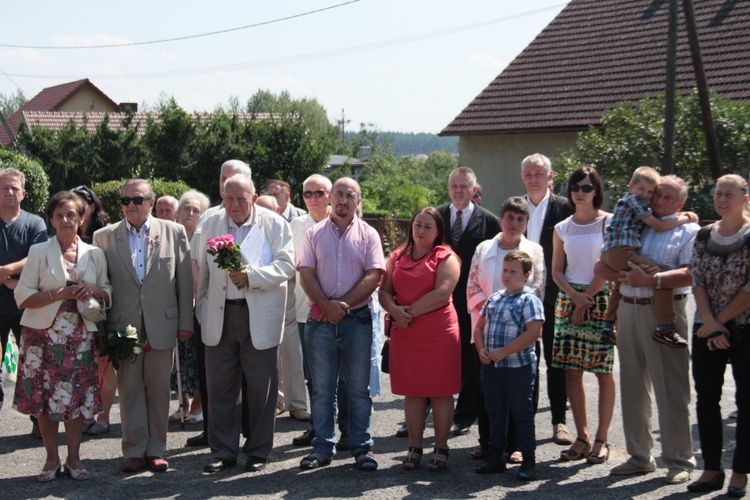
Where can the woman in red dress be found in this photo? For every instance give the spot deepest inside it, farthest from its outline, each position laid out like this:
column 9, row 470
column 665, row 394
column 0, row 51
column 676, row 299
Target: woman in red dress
column 425, row 353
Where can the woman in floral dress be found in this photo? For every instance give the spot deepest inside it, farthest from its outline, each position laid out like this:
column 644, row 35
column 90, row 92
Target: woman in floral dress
column 57, row 379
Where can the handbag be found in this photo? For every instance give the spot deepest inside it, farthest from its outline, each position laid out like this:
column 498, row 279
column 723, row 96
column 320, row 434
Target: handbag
column 92, row 309
column 385, row 365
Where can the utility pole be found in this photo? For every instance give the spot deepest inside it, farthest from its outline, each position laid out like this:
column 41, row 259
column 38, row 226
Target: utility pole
column 669, row 93
column 712, row 143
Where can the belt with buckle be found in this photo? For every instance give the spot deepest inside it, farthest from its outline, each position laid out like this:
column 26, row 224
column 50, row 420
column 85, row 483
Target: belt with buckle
column 236, row 302
column 352, row 312
column 649, row 300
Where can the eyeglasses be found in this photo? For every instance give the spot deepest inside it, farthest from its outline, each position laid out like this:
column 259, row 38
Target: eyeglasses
column 318, row 194
column 137, row 200
column 586, row 188
column 84, row 191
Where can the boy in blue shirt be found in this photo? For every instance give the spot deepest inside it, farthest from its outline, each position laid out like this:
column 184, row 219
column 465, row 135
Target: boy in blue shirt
column 511, row 321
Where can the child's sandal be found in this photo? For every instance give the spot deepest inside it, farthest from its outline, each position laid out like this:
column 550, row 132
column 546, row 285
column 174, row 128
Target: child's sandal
column 413, row 458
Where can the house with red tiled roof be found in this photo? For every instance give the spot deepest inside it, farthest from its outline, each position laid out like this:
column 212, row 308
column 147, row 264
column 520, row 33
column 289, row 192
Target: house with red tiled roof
column 78, row 96
column 594, row 54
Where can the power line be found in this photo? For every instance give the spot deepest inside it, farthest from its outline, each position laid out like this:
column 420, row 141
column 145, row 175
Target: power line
column 177, row 39
column 308, row 56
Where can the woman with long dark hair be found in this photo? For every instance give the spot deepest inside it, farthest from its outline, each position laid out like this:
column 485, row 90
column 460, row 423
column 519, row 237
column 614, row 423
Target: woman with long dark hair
column 425, row 353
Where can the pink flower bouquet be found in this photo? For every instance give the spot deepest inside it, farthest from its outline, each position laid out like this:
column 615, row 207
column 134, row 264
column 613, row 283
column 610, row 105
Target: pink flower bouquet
column 226, row 253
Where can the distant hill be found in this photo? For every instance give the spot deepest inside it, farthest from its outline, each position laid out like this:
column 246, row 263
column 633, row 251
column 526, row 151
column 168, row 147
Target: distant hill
column 409, row 144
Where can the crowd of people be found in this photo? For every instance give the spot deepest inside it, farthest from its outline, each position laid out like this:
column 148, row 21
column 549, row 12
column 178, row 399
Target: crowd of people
column 473, row 303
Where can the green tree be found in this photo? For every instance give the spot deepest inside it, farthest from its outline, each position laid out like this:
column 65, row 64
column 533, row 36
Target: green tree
column 37, row 182
column 633, row 135
column 11, row 103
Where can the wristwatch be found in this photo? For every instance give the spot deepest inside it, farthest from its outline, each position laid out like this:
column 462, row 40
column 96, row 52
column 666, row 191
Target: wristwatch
column 658, row 281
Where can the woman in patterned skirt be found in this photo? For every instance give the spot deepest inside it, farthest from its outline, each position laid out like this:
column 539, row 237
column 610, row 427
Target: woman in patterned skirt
column 57, row 379
column 579, row 313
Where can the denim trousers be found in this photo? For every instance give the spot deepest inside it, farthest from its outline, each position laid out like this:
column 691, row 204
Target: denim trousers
column 708, row 374
column 509, row 391
column 341, row 348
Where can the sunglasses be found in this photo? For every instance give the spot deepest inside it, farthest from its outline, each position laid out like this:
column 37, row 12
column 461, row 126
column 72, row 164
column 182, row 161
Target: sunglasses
column 137, row 200
column 586, row 188
column 84, row 191
column 318, row 194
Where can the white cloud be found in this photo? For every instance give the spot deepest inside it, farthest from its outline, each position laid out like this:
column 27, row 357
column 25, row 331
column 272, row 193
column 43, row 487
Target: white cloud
column 486, row 61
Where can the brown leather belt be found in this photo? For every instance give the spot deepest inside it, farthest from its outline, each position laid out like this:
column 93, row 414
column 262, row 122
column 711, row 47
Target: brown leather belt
column 647, row 301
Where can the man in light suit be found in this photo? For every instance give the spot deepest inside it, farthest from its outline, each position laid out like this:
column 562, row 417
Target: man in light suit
column 242, row 320
column 148, row 262
column 466, row 226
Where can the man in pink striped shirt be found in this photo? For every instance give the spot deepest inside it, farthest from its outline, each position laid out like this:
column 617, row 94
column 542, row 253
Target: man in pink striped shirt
column 340, row 265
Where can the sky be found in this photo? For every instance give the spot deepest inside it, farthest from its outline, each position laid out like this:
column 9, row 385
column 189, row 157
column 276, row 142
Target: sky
column 400, row 65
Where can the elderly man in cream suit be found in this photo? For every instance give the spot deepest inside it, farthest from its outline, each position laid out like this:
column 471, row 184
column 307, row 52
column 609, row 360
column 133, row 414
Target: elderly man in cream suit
column 148, row 263
column 242, row 320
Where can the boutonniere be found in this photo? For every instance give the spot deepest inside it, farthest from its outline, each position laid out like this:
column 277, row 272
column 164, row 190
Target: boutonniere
column 153, row 242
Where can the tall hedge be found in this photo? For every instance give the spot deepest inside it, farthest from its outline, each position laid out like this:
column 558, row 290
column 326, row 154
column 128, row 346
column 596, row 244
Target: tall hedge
column 37, row 182
column 109, row 193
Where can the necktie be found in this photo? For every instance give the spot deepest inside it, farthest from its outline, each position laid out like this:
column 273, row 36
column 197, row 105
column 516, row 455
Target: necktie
column 458, row 227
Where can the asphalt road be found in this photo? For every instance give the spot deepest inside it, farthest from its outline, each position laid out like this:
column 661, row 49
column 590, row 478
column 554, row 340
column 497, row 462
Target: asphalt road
column 23, row 456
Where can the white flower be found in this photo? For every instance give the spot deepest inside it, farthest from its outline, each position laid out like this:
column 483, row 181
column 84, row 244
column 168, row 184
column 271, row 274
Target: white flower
column 61, row 397
column 137, row 350
column 131, row 332
column 33, row 361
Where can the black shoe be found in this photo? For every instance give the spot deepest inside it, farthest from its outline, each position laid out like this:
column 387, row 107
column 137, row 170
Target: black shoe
column 305, row 439
column 714, row 484
column 313, row 461
column 403, row 432
column 343, row 443
column 736, row 491
column 255, row 464
column 199, row 440
column 493, row 465
column 669, row 338
column 217, row 464
column 527, row 471
column 461, row 429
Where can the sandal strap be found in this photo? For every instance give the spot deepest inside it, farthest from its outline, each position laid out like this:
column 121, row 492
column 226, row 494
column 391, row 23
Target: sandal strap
column 582, row 440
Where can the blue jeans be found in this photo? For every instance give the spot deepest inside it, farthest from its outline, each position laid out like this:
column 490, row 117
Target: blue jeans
column 509, row 391
column 345, row 347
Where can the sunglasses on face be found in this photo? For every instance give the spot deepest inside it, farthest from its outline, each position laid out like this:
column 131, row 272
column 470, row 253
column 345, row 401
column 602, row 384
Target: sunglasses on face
column 586, row 188
column 318, row 194
column 137, row 200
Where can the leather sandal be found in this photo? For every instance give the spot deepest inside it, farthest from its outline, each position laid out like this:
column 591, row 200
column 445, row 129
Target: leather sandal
column 413, row 458
column 599, row 458
column 437, row 465
column 570, row 455
column 77, row 474
column 48, row 475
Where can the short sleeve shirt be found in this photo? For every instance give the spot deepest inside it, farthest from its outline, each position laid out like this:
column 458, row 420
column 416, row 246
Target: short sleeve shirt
column 15, row 240
column 506, row 317
column 625, row 227
column 341, row 259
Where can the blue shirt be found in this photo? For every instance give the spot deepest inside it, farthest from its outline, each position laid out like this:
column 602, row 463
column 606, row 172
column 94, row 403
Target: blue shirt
column 506, row 317
column 15, row 240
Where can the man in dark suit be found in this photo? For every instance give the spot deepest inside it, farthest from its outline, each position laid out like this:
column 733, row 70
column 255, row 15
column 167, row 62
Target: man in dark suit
column 466, row 226
column 547, row 209
column 148, row 262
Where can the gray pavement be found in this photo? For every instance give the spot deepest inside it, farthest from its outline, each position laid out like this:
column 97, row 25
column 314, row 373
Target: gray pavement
column 22, row 458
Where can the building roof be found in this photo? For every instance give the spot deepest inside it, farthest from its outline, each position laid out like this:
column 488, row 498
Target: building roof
column 49, row 99
column 56, row 120
column 596, row 53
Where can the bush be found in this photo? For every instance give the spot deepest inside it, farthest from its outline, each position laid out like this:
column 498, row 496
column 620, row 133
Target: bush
column 37, row 182
column 109, row 193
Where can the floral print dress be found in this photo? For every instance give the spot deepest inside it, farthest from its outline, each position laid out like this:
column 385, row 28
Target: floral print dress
column 57, row 368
